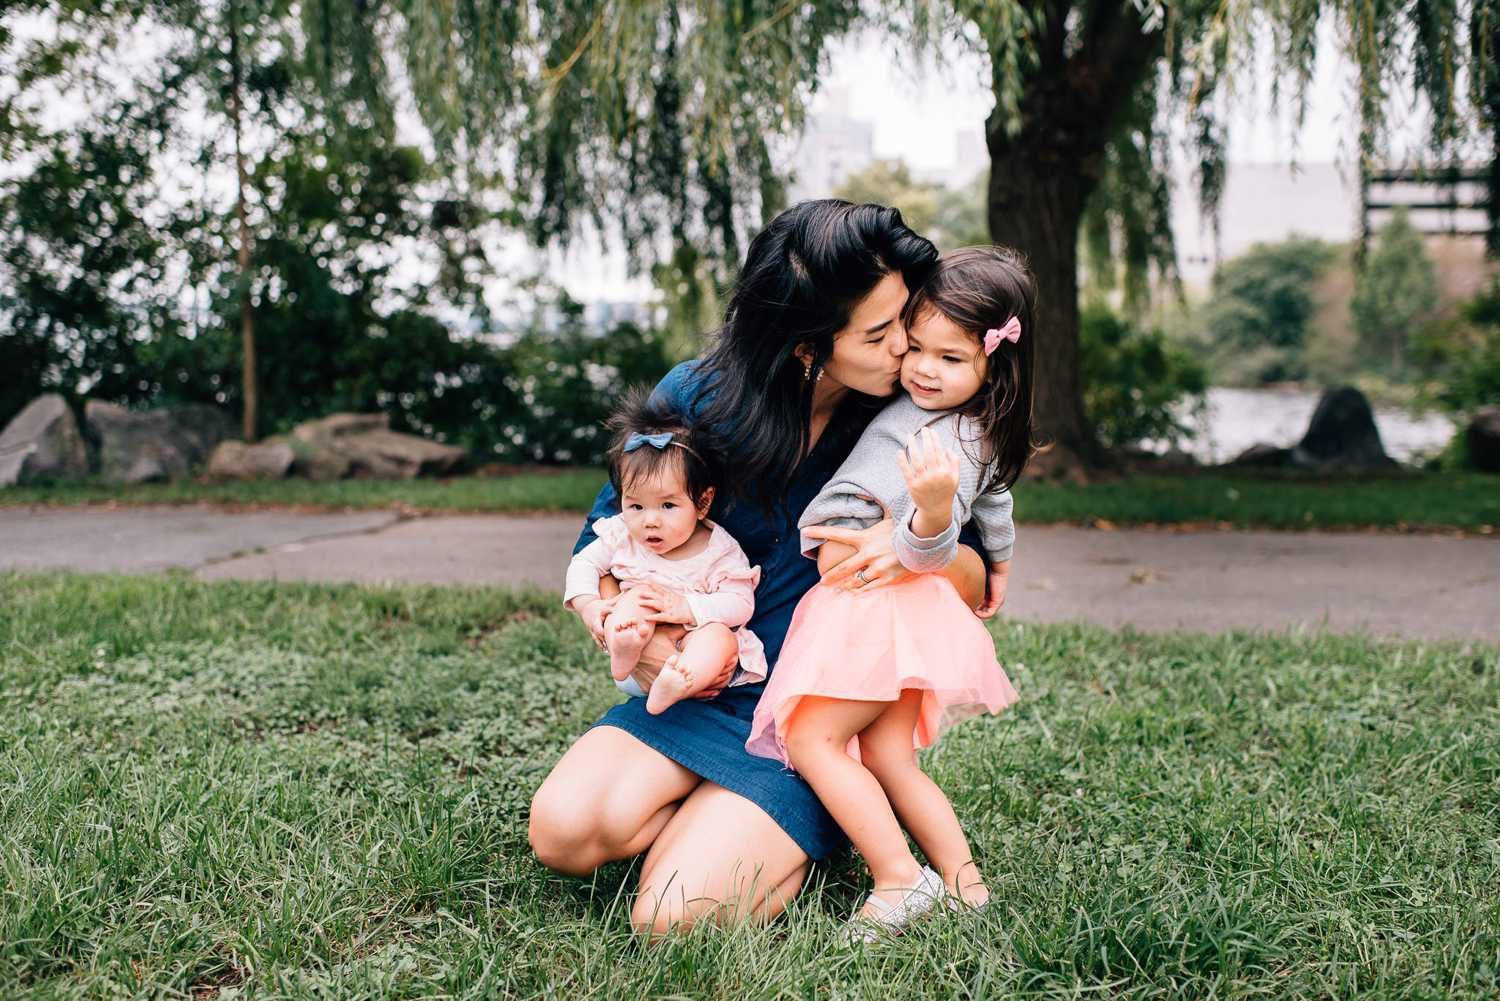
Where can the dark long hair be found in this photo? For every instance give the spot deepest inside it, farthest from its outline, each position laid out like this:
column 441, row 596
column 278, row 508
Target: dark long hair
column 691, row 454
column 803, row 276
column 980, row 289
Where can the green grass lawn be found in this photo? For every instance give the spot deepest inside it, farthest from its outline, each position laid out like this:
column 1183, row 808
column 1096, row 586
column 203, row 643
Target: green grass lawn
column 1468, row 502
column 316, row 791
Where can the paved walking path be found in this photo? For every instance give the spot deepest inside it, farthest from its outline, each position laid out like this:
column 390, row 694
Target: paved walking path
column 1417, row 586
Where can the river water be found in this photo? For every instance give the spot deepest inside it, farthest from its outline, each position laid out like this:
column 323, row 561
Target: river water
column 1235, row 419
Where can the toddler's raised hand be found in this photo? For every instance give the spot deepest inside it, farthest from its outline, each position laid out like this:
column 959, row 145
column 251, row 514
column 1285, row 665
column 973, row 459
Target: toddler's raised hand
column 931, row 473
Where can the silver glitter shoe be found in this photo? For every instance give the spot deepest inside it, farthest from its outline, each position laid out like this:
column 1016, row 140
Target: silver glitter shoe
column 890, row 919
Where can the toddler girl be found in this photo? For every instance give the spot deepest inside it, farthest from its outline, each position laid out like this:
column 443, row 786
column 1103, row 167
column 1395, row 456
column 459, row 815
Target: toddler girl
column 672, row 563
column 867, row 676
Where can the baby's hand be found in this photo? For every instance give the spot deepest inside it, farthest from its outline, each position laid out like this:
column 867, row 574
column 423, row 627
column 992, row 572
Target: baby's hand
column 931, row 473
column 667, row 606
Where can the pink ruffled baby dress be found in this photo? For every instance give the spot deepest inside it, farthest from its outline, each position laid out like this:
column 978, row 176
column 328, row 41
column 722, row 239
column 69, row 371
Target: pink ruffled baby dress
column 871, row 646
column 718, row 582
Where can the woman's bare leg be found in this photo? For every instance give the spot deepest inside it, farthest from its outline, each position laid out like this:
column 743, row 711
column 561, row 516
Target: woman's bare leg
column 817, row 739
column 886, row 749
column 704, row 654
column 719, row 857
column 607, row 798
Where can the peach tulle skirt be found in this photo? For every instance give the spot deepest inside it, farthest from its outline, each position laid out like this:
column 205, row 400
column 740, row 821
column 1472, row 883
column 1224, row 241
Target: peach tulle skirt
column 875, row 645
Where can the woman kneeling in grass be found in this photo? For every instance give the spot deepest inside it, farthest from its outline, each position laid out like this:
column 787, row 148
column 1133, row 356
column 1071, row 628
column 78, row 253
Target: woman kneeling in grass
column 810, row 350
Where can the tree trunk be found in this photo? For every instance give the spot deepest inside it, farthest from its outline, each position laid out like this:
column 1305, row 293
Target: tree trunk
column 1491, row 103
column 1041, row 180
column 250, row 388
column 1036, row 205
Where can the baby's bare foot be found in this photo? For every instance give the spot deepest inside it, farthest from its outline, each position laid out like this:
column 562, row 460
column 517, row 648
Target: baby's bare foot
column 671, row 686
column 627, row 638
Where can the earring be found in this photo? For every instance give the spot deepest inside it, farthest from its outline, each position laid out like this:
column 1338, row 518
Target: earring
column 807, row 373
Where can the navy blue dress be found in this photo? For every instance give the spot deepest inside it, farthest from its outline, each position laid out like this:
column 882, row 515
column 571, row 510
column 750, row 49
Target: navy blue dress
column 707, row 736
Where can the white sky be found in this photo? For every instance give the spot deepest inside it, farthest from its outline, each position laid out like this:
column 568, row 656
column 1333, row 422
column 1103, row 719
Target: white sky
column 919, row 107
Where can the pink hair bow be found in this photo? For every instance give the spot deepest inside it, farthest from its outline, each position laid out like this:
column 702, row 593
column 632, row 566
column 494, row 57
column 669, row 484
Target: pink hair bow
column 1010, row 332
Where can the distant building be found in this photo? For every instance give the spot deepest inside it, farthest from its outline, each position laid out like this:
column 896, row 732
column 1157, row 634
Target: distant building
column 834, row 145
column 1262, row 203
column 1268, row 202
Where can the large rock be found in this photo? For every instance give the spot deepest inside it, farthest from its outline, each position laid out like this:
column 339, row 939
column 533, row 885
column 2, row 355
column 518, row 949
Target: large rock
column 139, row 447
column 363, row 445
column 1483, row 438
column 340, row 426
column 42, row 443
column 234, row 460
column 1342, row 433
column 1263, row 456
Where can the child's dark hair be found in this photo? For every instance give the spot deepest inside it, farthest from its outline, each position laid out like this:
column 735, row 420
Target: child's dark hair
column 981, row 289
column 690, row 453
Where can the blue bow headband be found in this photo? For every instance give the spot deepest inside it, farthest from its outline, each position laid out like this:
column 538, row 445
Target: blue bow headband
column 656, row 441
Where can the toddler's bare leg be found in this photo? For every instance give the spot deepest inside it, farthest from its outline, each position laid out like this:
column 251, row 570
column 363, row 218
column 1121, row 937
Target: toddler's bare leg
column 885, row 746
column 697, row 667
column 817, row 738
column 626, row 633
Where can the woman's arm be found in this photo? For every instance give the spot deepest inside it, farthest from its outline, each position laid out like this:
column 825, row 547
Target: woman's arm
column 870, row 551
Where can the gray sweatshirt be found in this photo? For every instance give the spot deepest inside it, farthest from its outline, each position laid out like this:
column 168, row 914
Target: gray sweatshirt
column 869, row 484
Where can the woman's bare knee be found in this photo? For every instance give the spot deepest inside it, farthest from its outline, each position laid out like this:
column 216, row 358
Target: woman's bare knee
column 607, row 798
column 559, row 832
column 652, row 917
column 753, row 897
column 576, row 839
column 720, row 858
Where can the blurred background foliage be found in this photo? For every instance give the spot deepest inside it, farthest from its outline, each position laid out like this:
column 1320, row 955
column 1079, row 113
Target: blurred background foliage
column 657, row 122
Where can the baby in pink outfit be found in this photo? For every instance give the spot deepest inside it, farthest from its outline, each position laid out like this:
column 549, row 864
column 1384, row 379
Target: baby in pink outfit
column 672, row 563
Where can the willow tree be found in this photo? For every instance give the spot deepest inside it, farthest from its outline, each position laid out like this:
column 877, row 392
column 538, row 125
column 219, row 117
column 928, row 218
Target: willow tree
column 658, row 121
column 661, row 119
column 1085, row 91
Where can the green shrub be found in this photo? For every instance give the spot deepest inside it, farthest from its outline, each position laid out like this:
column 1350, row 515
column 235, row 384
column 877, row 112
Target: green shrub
column 542, row 399
column 1460, row 358
column 1394, row 293
column 1135, row 381
column 1255, row 323
column 563, row 386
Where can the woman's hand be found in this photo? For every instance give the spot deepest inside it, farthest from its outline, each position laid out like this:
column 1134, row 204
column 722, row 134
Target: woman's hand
column 666, row 606
column 873, row 564
column 999, row 580
column 593, row 613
